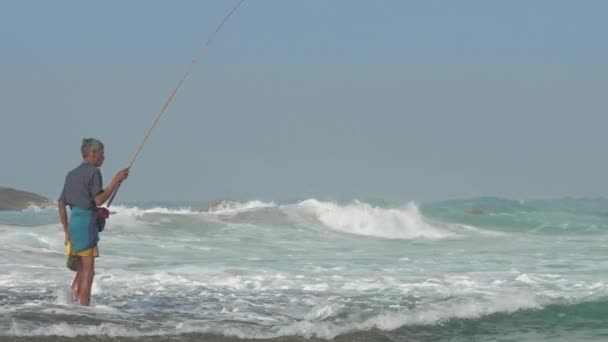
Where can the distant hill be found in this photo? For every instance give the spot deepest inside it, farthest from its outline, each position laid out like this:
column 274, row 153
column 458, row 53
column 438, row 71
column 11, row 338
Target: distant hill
column 12, row 199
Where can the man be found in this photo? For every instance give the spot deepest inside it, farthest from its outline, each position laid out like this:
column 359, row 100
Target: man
column 83, row 192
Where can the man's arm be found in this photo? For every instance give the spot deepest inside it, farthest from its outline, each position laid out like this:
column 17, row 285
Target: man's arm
column 63, row 216
column 104, row 195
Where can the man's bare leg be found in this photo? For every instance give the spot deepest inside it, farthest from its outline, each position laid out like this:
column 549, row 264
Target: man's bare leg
column 87, row 268
column 76, row 286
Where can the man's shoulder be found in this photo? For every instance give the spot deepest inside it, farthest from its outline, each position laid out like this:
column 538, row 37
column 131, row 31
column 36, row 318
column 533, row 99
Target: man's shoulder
column 84, row 169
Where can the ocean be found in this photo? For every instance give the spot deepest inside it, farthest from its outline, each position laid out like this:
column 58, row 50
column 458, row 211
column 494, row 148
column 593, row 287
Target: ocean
column 483, row 269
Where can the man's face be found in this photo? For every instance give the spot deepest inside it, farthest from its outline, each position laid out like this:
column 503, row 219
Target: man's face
column 97, row 157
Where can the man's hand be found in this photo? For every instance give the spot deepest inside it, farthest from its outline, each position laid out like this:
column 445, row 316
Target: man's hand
column 121, row 176
column 66, row 238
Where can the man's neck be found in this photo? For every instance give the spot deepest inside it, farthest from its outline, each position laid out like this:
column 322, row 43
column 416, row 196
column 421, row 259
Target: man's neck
column 87, row 161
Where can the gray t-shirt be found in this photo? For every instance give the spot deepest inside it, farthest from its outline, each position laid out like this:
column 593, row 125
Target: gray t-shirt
column 81, row 186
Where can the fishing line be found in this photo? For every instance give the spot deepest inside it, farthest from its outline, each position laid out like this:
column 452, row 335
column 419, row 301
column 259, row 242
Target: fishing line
column 200, row 53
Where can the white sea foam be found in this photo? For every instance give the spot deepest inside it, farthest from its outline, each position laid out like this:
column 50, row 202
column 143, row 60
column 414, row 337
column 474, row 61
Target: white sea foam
column 266, row 274
column 233, row 207
column 138, row 212
column 314, row 324
column 470, row 300
column 364, row 219
column 428, row 315
column 70, row 330
column 44, row 207
column 133, row 217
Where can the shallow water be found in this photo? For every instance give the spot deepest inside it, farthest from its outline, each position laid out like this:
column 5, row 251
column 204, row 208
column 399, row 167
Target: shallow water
column 481, row 269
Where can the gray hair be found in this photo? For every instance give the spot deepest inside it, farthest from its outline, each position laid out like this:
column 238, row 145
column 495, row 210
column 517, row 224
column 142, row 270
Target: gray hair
column 90, row 145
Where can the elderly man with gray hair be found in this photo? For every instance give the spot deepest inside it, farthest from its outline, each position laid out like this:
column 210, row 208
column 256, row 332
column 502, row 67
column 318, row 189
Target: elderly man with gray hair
column 83, row 193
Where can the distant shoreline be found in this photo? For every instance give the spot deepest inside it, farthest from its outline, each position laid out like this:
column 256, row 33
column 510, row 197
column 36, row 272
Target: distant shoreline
column 13, row 199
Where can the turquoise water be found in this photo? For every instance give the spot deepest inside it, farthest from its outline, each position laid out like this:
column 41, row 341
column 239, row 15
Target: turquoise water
column 484, row 269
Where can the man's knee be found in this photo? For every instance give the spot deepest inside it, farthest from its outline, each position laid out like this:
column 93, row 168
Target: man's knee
column 88, row 266
column 88, row 273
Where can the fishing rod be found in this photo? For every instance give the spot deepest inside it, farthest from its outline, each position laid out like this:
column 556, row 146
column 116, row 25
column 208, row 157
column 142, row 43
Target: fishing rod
column 200, row 53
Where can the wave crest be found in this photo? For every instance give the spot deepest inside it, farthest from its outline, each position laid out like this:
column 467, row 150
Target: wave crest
column 364, row 219
column 234, row 207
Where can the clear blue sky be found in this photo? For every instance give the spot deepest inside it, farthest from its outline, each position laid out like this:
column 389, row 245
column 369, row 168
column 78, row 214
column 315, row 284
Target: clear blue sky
column 397, row 100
